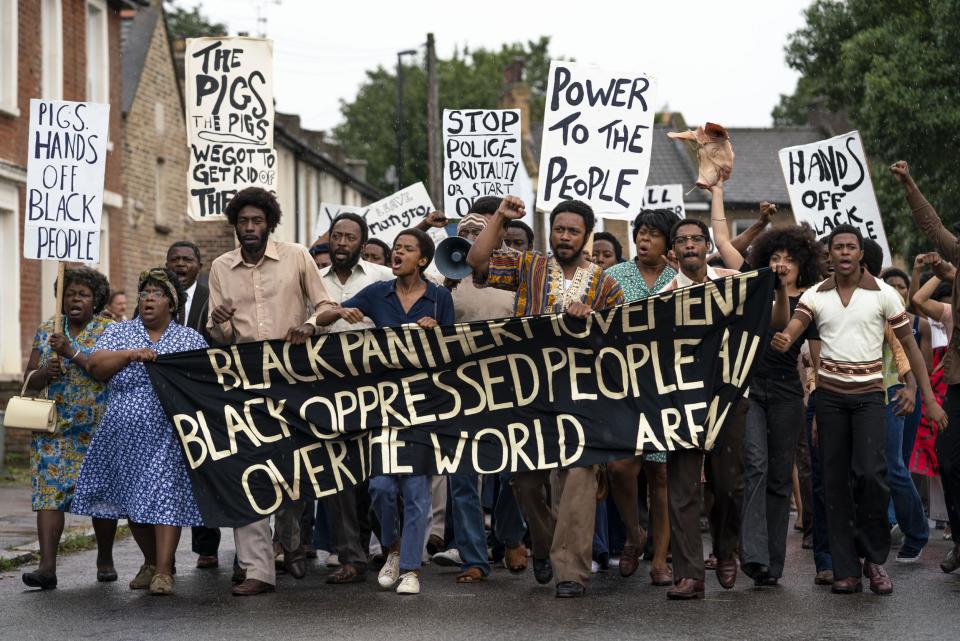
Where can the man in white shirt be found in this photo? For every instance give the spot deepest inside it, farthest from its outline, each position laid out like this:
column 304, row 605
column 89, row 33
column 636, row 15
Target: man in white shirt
column 723, row 465
column 346, row 275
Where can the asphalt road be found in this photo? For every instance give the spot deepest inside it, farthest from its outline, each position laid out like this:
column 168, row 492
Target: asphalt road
column 925, row 606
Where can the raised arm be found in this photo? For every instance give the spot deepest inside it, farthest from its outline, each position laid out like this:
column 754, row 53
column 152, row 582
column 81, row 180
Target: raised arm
column 925, row 216
column 731, row 257
column 511, row 208
column 923, row 301
column 742, row 242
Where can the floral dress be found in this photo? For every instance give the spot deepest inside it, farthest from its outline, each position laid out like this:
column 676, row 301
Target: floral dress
column 135, row 468
column 80, row 399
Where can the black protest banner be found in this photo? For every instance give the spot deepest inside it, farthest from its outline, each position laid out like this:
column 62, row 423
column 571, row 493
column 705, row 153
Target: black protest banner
column 229, row 104
column 265, row 423
column 481, row 156
column 66, row 160
column 829, row 185
column 597, row 138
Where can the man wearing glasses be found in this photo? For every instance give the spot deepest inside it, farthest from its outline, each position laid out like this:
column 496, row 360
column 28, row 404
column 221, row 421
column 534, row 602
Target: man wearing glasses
column 722, row 467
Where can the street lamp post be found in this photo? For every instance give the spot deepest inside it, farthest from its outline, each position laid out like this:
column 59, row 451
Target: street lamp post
column 400, row 55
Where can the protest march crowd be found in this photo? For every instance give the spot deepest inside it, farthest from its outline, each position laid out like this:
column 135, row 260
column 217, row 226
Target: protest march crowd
column 857, row 383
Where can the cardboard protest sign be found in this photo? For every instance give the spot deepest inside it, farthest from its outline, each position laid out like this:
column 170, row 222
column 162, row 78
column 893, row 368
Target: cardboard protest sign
column 229, row 104
column 597, row 138
column 391, row 215
column 67, row 156
column 829, row 185
column 329, row 211
column 481, row 156
column 664, row 197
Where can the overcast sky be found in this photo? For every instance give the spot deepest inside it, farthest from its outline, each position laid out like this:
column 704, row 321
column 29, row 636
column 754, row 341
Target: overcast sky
column 722, row 62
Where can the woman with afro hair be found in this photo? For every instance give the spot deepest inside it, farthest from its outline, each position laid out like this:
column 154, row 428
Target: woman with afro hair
column 775, row 415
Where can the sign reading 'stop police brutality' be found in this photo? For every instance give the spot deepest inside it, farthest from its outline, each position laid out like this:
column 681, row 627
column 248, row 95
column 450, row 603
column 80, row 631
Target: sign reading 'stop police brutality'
column 229, row 101
column 481, row 156
column 829, row 185
column 597, row 138
column 67, row 155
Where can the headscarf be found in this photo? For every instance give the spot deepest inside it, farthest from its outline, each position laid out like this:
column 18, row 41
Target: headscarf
column 476, row 219
column 159, row 275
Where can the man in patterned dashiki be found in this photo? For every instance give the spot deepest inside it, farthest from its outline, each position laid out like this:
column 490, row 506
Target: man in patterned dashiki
column 639, row 278
column 563, row 282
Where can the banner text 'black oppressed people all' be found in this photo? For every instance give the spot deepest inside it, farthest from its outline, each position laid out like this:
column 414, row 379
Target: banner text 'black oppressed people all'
column 265, row 423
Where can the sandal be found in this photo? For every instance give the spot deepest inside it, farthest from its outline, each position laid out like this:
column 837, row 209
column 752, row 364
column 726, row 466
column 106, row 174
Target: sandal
column 346, row 574
column 471, row 575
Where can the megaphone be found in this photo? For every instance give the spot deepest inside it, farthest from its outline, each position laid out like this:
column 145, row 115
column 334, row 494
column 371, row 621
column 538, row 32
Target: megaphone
column 451, row 257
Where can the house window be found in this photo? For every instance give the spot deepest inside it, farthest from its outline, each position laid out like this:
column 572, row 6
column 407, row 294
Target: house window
column 741, row 225
column 98, row 59
column 51, row 32
column 9, row 19
column 10, row 283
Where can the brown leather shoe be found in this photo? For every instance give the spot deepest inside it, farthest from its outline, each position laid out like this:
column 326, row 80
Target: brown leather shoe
column 710, row 563
column 661, row 577
column 348, row 573
column 629, row 559
column 252, row 587
column 295, row 562
column 207, row 562
column 880, row 582
column 515, row 558
column 824, row 577
column 727, row 573
column 847, row 585
column 686, row 589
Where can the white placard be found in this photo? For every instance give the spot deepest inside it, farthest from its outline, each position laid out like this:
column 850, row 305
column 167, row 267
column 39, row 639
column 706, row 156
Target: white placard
column 67, row 156
column 329, row 211
column 660, row 197
column 229, row 105
column 481, row 156
column 829, row 185
column 597, row 139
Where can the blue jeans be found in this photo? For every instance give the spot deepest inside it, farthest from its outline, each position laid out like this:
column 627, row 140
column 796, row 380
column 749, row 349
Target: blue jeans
column 821, row 544
column 908, row 508
column 468, row 530
column 911, row 423
column 601, row 534
column 321, row 529
column 384, row 490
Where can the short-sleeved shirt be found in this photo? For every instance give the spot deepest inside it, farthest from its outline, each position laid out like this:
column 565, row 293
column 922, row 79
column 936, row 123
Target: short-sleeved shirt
column 851, row 354
column 381, row 304
column 634, row 285
column 541, row 287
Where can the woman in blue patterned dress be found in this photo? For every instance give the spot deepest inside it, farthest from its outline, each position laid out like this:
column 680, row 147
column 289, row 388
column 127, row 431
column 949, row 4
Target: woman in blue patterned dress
column 135, row 468
column 58, row 363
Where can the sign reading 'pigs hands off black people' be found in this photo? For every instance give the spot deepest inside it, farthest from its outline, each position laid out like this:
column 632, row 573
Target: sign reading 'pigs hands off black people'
column 229, row 101
column 481, row 156
column 597, row 139
column 66, row 158
column 829, row 185
column 265, row 423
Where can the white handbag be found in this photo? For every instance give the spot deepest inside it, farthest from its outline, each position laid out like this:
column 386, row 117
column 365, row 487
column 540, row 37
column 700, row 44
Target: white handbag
column 28, row 413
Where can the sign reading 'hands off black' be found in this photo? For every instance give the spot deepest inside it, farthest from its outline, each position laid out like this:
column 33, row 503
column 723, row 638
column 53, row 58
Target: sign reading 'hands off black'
column 265, row 423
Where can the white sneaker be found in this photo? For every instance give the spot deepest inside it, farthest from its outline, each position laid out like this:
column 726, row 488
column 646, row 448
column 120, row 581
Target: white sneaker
column 322, row 557
column 409, row 584
column 390, row 571
column 333, row 561
column 448, row 558
column 594, row 567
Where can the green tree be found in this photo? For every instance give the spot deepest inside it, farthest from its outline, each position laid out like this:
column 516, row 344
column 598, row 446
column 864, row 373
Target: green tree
column 893, row 66
column 469, row 79
column 183, row 23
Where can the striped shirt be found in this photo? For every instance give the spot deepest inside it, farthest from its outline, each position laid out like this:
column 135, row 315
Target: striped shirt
column 540, row 287
column 851, row 354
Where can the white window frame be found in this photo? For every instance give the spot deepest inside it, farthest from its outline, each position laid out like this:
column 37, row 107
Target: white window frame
column 51, row 37
column 104, row 51
column 9, row 57
column 10, row 355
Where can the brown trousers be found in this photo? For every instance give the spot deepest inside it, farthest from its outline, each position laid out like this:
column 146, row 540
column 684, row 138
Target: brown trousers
column 723, row 469
column 561, row 524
